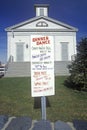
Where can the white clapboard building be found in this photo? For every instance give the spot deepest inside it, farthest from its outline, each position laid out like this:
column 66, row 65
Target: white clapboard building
column 19, row 41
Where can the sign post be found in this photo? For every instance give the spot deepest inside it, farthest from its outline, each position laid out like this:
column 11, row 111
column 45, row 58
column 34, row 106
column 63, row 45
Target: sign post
column 42, row 68
column 43, row 107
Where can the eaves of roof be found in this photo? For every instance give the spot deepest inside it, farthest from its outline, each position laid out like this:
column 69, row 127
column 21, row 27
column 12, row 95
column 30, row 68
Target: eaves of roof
column 14, row 27
column 42, row 30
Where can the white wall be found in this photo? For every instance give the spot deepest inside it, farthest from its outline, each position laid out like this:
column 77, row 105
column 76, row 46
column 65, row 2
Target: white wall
column 71, row 41
column 59, row 37
column 12, row 41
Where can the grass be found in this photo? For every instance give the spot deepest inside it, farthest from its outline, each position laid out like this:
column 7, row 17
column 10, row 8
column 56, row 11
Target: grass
column 65, row 105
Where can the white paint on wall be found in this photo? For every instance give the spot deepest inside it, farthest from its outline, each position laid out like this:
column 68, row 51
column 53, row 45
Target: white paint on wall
column 12, row 41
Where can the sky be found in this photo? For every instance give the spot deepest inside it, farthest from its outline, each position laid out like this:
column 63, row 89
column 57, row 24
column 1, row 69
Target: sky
column 71, row 12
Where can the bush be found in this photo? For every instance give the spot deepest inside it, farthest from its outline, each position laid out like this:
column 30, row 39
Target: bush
column 78, row 68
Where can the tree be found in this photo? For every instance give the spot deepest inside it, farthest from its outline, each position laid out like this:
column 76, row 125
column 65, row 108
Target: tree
column 78, row 67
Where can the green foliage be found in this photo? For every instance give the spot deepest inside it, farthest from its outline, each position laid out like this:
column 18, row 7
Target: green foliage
column 78, row 68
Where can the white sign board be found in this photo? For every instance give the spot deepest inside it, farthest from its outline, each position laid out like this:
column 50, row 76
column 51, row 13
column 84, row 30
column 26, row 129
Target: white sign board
column 42, row 65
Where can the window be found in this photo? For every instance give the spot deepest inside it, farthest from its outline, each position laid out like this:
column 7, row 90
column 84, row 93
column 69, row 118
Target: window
column 41, row 24
column 41, row 12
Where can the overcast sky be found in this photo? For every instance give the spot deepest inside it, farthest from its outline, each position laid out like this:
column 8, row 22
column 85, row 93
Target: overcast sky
column 72, row 12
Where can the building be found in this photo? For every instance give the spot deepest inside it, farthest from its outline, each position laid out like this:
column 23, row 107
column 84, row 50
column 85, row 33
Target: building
column 19, row 40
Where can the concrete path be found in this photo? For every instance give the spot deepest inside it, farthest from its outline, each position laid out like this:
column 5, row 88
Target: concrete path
column 26, row 123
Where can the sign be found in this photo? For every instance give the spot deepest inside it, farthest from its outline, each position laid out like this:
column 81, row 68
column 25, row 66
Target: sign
column 42, row 65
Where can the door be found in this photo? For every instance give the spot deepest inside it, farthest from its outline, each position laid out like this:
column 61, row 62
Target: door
column 19, row 52
column 64, row 51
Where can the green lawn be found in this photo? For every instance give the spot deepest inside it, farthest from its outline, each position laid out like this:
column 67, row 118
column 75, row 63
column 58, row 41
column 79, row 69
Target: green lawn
column 66, row 105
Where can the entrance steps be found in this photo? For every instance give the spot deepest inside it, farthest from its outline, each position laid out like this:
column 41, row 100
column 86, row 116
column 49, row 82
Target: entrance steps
column 18, row 69
column 22, row 69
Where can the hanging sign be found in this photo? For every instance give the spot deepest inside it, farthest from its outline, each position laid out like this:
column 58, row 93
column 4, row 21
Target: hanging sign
column 42, row 65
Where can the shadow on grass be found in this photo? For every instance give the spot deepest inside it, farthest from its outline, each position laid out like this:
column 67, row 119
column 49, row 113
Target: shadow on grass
column 37, row 102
